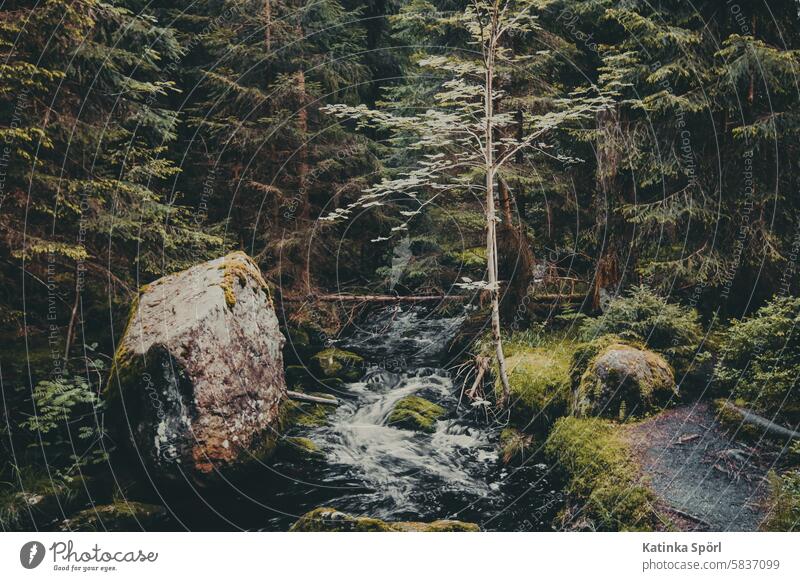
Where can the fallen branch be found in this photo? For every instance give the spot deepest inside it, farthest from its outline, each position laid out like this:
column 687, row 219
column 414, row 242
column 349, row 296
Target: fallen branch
column 771, row 428
column 296, row 395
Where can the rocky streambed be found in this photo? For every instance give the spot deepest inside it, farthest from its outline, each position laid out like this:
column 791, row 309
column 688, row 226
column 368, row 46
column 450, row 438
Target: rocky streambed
column 213, row 430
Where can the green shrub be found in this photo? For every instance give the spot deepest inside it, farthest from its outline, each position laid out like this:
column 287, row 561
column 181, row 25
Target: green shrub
column 66, row 418
column 784, row 511
column 643, row 316
column 759, row 360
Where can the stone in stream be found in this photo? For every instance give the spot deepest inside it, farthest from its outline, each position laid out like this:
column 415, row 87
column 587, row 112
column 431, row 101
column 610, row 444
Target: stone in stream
column 415, row 413
column 198, row 385
column 122, row 515
column 325, row 519
column 337, row 363
column 622, row 381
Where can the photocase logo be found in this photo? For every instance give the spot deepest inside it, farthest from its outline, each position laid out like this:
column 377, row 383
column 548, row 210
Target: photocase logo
column 31, row 554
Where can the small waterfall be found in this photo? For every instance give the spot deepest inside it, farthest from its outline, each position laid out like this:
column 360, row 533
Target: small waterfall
column 379, row 470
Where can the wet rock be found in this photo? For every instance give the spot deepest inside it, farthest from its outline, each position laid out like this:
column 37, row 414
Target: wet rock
column 623, row 381
column 119, row 516
column 338, row 363
column 198, row 382
column 331, row 520
column 415, row 413
column 297, row 449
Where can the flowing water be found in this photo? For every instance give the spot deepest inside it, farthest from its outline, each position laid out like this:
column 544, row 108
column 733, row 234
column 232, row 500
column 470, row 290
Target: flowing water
column 379, row 470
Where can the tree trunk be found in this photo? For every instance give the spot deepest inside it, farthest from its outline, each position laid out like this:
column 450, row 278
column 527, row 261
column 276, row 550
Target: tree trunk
column 515, row 257
column 73, row 316
column 491, row 224
column 608, row 222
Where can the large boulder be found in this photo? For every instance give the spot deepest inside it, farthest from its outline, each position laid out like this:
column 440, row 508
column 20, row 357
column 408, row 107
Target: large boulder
column 197, row 384
column 622, row 381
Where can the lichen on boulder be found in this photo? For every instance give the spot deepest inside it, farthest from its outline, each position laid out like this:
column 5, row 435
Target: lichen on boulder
column 197, row 385
column 623, row 381
column 415, row 413
column 338, row 363
column 326, row 519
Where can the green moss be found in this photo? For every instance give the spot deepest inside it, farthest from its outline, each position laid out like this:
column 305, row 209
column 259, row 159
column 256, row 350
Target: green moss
column 118, row 516
column 585, row 353
column 620, row 380
column 325, row 519
column 299, row 449
column 539, row 382
column 238, row 267
column 784, row 502
column 307, row 414
column 602, row 475
column 338, row 363
column 733, row 422
column 415, row 413
column 515, row 446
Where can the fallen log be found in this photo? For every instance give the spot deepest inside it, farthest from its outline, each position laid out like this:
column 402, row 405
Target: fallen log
column 770, row 428
column 349, row 298
column 296, row 395
column 387, row 298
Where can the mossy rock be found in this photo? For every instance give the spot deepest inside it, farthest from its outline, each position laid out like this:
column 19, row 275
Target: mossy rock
column 540, row 387
column 325, row 519
column 299, row 449
column 515, row 446
column 307, row 414
column 415, row 413
column 45, row 501
column 338, row 363
column 604, row 480
column 623, row 381
column 119, row 516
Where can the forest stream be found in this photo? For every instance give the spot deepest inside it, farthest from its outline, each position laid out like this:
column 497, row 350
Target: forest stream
column 395, row 474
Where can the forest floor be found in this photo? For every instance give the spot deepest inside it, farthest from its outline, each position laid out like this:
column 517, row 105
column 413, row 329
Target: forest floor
column 706, row 480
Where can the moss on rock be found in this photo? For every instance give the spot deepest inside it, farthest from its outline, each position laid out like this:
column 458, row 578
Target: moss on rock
column 119, row 516
column 540, row 387
column 325, row 519
column 415, row 413
column 623, row 381
column 299, row 449
column 338, row 363
column 603, row 478
column 307, row 414
column 238, row 267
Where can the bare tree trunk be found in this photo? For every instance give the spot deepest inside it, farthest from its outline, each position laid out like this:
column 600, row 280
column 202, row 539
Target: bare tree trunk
column 491, row 222
column 74, row 315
